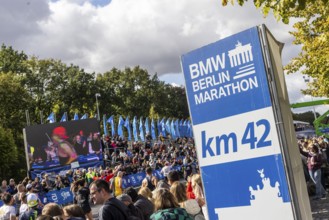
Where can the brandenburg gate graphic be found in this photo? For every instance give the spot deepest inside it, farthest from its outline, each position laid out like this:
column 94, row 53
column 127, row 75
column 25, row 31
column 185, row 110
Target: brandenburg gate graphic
column 240, row 53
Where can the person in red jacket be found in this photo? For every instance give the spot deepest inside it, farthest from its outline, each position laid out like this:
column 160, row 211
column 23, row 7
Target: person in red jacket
column 189, row 189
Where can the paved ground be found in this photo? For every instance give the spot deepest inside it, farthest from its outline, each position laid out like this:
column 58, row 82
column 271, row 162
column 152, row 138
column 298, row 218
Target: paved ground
column 320, row 209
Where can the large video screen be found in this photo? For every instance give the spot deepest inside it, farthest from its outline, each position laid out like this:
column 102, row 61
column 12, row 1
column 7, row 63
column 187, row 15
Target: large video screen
column 66, row 143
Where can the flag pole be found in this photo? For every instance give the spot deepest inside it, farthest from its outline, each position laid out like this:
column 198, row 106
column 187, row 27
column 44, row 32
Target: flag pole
column 41, row 117
column 27, row 115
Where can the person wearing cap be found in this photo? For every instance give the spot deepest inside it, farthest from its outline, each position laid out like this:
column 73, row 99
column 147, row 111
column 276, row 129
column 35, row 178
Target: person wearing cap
column 33, row 211
column 66, row 152
column 7, row 211
column 30, row 190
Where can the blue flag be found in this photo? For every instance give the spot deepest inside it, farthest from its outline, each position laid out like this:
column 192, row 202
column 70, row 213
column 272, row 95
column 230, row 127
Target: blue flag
column 120, row 131
column 159, row 127
column 173, row 131
column 163, row 127
column 180, row 127
column 189, row 129
column 177, row 127
column 167, row 125
column 51, row 118
column 76, row 117
column 135, row 128
column 184, row 128
column 64, row 117
column 147, row 128
column 104, row 125
column 153, row 130
column 141, row 130
column 127, row 125
column 85, row 116
column 111, row 121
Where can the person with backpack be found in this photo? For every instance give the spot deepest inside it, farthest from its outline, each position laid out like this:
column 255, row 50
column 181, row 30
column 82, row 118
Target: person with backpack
column 166, row 207
column 112, row 208
column 191, row 206
column 149, row 181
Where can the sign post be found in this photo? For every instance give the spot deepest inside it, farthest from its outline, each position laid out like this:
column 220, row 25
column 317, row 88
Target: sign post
column 231, row 97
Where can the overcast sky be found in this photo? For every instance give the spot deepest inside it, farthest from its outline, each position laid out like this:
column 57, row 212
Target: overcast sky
column 100, row 34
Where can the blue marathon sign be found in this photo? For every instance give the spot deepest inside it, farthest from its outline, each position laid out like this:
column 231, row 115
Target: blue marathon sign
column 235, row 132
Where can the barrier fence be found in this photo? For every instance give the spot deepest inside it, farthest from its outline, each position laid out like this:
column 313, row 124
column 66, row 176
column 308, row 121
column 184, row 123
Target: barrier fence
column 65, row 196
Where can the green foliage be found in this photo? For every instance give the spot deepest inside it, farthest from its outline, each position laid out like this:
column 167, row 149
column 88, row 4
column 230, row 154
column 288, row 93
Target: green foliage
column 14, row 101
column 48, row 85
column 305, row 116
column 8, row 153
column 11, row 60
column 134, row 92
column 312, row 32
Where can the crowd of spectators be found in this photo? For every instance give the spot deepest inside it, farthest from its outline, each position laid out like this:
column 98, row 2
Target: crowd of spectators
column 315, row 158
column 120, row 157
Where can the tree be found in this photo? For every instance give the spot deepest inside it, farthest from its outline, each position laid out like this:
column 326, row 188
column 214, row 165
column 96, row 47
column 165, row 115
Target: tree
column 305, row 116
column 126, row 92
column 8, row 153
column 12, row 61
column 311, row 32
column 56, row 87
column 281, row 9
column 171, row 101
column 14, row 101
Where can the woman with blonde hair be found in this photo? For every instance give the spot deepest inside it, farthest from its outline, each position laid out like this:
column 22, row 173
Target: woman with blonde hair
column 116, row 184
column 73, row 212
column 192, row 207
column 198, row 192
column 197, row 189
column 146, row 192
column 167, row 207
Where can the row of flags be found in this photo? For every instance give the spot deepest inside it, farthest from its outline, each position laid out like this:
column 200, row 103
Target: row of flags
column 174, row 127
column 139, row 128
column 52, row 117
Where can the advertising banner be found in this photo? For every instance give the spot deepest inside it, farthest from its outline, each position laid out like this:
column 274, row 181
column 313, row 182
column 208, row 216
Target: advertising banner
column 235, row 130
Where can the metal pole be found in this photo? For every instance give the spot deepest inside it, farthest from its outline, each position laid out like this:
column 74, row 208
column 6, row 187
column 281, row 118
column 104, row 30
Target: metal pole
column 307, row 80
column 314, row 110
column 97, row 95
